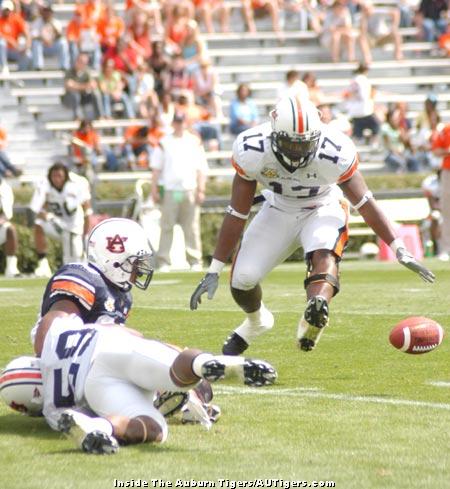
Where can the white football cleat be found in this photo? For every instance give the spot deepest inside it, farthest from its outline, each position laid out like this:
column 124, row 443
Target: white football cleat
column 312, row 323
column 92, row 435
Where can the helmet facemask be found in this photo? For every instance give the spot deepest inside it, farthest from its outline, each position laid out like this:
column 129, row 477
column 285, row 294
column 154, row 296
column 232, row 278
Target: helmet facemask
column 294, row 151
column 140, row 270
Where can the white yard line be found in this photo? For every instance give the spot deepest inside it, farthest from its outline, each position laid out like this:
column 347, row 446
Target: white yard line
column 317, row 394
column 439, row 383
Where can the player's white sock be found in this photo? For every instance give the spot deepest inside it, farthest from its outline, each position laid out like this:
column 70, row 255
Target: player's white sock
column 11, row 266
column 256, row 323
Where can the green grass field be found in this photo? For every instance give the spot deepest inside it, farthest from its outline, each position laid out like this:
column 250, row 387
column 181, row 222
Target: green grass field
column 355, row 411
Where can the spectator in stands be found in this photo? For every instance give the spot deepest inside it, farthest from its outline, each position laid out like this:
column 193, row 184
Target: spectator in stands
column 337, row 31
column 205, row 10
column 316, row 94
column 48, row 40
column 81, row 89
column 207, row 90
column 15, row 41
column 91, row 11
column 110, row 28
column 166, row 110
column 441, row 148
column 243, row 110
column 294, row 86
column 398, row 145
column 152, row 10
column 141, row 141
column 176, row 28
column 179, row 167
column 431, row 227
column 86, row 150
column 360, row 104
column 62, row 205
column 126, row 61
column 380, row 26
column 193, row 48
column 7, row 168
column 8, row 233
column 432, row 18
column 261, row 7
column 83, row 38
column 139, row 33
column 198, row 119
column 428, row 123
column 159, row 63
column 146, row 98
column 178, row 79
column 112, row 91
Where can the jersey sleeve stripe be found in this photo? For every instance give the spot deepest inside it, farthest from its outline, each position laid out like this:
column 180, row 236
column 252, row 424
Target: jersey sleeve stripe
column 78, row 280
column 70, row 287
column 238, row 169
column 350, row 171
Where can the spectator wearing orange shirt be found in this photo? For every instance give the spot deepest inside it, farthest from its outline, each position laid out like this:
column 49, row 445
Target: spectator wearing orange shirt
column 86, row 149
column 198, row 118
column 91, row 11
column 84, row 38
column 441, row 147
column 140, row 142
column 15, row 41
column 176, row 28
column 110, row 28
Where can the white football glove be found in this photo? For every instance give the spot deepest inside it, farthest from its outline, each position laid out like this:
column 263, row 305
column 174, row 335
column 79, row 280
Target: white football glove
column 406, row 259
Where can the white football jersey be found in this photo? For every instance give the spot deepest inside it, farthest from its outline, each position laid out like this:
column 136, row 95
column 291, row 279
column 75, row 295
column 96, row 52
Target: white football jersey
column 335, row 162
column 65, row 361
column 6, row 200
column 65, row 204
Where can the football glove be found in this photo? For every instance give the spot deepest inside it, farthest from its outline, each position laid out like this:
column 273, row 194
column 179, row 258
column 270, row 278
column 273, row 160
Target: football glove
column 406, row 259
column 208, row 283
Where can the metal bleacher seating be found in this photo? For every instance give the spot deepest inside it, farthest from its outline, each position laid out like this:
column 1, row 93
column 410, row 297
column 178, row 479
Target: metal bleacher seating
column 32, row 112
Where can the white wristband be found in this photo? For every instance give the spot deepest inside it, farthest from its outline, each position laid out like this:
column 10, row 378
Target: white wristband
column 235, row 213
column 368, row 195
column 216, row 266
column 396, row 244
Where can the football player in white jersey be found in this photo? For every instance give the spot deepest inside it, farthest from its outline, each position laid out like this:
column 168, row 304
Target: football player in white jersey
column 62, row 204
column 8, row 233
column 306, row 168
column 115, row 374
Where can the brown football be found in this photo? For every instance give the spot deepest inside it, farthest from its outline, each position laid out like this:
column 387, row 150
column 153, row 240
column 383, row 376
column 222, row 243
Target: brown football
column 416, row 335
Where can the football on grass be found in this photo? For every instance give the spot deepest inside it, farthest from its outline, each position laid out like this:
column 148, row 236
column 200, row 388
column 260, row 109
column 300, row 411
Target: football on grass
column 416, row 335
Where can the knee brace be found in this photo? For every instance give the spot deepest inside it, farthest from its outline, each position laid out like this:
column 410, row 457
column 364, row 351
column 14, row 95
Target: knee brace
column 322, row 277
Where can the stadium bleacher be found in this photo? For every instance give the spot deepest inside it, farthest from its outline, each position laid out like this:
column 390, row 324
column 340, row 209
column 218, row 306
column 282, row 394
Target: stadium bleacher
column 33, row 114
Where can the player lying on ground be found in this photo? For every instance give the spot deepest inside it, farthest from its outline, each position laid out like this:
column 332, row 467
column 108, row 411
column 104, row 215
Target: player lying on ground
column 305, row 168
column 114, row 375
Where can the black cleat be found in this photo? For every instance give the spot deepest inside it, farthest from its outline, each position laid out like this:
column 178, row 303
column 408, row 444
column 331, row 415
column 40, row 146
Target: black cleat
column 258, row 373
column 213, row 370
column 315, row 320
column 234, row 345
column 99, row 443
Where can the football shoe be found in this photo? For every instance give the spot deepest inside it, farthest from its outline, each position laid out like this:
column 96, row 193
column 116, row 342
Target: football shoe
column 252, row 372
column 313, row 322
column 81, row 429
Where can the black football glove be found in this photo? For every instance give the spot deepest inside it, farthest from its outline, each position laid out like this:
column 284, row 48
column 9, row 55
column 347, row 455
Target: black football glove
column 208, row 283
column 406, row 259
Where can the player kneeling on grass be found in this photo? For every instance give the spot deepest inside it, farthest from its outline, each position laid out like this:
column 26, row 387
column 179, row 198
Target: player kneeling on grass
column 113, row 374
column 306, row 167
